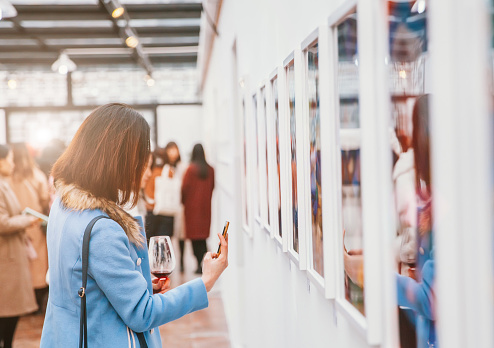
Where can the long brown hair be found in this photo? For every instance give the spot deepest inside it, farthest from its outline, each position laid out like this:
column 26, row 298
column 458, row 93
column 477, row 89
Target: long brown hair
column 199, row 159
column 23, row 162
column 108, row 154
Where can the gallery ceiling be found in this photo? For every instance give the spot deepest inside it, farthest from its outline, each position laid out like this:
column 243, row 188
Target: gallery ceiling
column 148, row 33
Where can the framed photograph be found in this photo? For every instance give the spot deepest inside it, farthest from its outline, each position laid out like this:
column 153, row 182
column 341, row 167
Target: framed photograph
column 262, row 154
column 257, row 161
column 293, row 70
column 245, row 158
column 273, row 122
column 312, row 166
column 345, row 63
column 277, row 159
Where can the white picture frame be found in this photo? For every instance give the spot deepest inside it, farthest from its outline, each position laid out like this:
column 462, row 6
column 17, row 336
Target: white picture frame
column 246, row 167
column 275, row 157
column 295, row 156
column 344, row 307
column 262, row 155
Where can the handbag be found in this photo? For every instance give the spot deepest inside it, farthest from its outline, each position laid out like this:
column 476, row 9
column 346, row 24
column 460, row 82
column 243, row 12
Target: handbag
column 167, row 193
column 82, row 290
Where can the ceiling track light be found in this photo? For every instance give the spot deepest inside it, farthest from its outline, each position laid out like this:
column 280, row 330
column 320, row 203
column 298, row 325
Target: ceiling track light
column 132, row 41
column 117, row 12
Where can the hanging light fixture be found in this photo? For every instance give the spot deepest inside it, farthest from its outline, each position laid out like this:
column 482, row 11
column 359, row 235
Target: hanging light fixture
column 7, row 10
column 63, row 64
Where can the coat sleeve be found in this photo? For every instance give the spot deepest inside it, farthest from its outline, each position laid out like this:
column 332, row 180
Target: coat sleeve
column 115, row 273
column 415, row 295
column 11, row 224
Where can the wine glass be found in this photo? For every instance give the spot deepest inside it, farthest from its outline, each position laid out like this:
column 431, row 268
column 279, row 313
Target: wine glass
column 161, row 257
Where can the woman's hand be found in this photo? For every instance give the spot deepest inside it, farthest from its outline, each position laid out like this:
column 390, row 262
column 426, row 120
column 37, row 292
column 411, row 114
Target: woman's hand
column 160, row 285
column 213, row 264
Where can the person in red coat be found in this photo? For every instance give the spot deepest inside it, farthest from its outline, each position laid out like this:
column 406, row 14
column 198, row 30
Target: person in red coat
column 197, row 190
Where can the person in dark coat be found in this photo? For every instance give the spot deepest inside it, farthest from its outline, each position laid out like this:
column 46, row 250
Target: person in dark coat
column 197, row 190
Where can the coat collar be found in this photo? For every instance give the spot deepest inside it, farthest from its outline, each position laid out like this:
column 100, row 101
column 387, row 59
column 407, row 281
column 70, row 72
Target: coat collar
column 75, row 198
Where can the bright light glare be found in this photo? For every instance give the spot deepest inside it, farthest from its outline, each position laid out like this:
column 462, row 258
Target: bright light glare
column 403, row 74
column 63, row 69
column 42, row 137
column 421, row 6
column 117, row 12
column 12, row 84
column 150, row 82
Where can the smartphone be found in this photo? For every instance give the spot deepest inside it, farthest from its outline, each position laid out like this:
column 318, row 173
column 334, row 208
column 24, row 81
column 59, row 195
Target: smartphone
column 225, row 231
column 35, row 213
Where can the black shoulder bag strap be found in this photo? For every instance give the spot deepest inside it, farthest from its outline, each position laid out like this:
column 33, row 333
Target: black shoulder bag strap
column 82, row 290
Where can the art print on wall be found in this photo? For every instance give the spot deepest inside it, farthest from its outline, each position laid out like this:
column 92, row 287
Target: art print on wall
column 350, row 141
column 274, row 88
column 290, row 80
column 315, row 159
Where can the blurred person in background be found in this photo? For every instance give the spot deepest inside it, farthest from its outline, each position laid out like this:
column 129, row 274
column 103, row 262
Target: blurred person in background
column 30, row 186
column 167, row 209
column 140, row 209
column 158, row 161
column 167, row 184
column 49, row 155
column 16, row 291
column 197, row 191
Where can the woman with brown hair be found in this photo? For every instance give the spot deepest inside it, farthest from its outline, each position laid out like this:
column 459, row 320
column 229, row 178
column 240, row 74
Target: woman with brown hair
column 101, row 171
column 16, row 292
column 197, row 191
column 30, row 185
column 164, row 188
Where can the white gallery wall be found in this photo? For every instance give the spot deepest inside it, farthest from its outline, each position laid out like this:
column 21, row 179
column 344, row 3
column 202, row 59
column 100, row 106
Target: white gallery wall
column 181, row 124
column 269, row 302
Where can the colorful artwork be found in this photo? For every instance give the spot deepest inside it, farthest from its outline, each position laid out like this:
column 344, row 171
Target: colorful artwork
column 274, row 84
column 263, row 98
column 351, row 202
column 315, row 159
column 245, row 178
column 290, row 77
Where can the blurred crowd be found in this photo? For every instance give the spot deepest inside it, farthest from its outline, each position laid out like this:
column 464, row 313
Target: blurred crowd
column 175, row 201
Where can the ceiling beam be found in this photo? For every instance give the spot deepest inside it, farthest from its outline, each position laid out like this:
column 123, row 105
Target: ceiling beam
column 131, row 8
column 89, row 34
column 46, row 60
column 94, row 16
column 146, row 31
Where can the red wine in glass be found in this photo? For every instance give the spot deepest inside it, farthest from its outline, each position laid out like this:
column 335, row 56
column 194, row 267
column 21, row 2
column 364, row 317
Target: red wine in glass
column 160, row 274
column 161, row 256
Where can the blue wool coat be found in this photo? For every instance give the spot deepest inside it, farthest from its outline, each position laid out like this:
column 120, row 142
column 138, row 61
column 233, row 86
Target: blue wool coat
column 120, row 298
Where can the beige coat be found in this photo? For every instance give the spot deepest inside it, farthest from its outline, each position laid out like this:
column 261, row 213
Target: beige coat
column 16, row 290
column 33, row 193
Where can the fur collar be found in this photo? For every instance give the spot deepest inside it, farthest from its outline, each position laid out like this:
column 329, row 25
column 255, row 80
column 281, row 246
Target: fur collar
column 77, row 199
